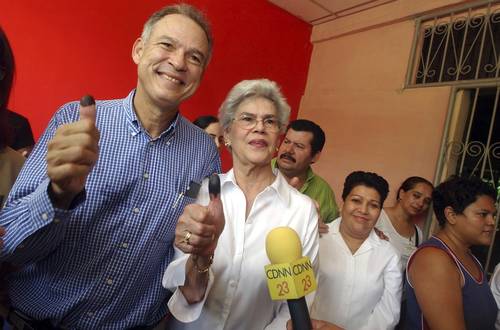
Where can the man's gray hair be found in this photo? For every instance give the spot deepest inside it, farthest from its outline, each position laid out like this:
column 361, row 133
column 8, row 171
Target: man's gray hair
column 251, row 89
column 182, row 9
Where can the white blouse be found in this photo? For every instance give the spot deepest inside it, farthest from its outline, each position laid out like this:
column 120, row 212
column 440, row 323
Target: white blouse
column 405, row 246
column 237, row 296
column 360, row 290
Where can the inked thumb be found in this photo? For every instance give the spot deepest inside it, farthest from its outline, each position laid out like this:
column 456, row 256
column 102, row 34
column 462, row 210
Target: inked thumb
column 215, row 205
column 214, row 186
column 87, row 108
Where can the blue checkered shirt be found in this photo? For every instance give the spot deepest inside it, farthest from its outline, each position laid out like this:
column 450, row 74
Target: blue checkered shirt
column 100, row 264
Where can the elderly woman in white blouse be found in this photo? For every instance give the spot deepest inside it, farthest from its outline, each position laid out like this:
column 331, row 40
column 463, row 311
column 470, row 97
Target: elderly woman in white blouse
column 360, row 275
column 219, row 282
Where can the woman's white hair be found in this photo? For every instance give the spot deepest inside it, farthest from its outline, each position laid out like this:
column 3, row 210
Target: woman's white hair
column 246, row 89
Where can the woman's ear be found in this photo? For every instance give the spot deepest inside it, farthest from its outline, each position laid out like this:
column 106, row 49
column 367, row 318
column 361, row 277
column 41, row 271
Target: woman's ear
column 450, row 215
column 401, row 193
column 227, row 139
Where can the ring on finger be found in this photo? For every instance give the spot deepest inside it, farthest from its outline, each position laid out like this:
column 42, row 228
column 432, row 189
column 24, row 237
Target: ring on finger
column 187, row 236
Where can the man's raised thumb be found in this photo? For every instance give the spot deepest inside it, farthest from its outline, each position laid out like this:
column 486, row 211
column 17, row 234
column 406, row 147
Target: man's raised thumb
column 87, row 108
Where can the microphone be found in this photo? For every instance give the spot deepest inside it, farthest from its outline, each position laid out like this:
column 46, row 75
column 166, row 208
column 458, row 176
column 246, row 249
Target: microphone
column 290, row 276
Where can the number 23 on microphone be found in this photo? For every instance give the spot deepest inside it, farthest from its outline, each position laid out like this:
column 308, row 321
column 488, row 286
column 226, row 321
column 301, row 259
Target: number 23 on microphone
column 290, row 280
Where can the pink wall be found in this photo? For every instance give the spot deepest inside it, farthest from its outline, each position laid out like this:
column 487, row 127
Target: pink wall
column 355, row 91
column 66, row 48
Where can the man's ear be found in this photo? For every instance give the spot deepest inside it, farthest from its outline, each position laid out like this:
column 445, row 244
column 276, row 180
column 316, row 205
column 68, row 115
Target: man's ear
column 137, row 50
column 315, row 158
column 450, row 215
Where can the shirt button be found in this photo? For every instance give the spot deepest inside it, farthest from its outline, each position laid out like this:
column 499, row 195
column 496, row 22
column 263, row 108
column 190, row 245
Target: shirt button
column 90, row 314
column 232, row 284
column 56, row 220
column 20, row 246
column 45, row 216
column 124, row 245
column 109, row 281
column 145, row 175
column 136, row 210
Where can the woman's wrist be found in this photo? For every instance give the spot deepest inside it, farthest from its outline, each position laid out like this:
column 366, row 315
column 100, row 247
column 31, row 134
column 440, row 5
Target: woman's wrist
column 202, row 263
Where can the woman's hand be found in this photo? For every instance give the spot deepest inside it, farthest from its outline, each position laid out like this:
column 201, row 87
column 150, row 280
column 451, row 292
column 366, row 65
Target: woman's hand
column 199, row 227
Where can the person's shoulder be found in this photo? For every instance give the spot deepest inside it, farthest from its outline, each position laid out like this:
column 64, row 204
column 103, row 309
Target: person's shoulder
column 496, row 275
column 188, row 128
column 16, row 117
column 14, row 158
column 320, row 182
column 383, row 244
column 298, row 197
column 334, row 223
column 389, row 248
column 382, row 222
column 429, row 256
column 319, row 179
column 495, row 283
column 111, row 103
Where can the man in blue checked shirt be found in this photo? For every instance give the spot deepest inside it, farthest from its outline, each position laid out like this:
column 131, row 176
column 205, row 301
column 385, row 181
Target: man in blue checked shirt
column 91, row 219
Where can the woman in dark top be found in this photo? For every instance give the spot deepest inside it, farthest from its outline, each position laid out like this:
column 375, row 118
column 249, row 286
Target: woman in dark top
column 446, row 285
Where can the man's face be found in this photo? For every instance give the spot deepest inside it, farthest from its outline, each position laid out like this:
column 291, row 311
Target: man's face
column 171, row 62
column 294, row 154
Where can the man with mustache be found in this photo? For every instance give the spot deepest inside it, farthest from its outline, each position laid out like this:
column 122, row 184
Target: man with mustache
column 91, row 219
column 300, row 148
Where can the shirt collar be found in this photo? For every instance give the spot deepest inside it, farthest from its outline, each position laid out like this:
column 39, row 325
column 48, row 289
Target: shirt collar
column 279, row 186
column 370, row 242
column 134, row 124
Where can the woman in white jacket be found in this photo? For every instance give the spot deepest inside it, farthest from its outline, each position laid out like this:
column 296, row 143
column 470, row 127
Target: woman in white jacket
column 232, row 292
column 360, row 275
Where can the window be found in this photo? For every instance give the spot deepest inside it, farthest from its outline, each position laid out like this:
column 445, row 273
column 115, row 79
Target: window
column 457, row 46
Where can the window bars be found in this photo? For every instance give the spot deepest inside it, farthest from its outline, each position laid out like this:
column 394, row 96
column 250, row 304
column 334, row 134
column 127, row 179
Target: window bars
column 456, row 46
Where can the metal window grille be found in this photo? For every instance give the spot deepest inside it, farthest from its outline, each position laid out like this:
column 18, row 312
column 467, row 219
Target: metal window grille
column 457, row 46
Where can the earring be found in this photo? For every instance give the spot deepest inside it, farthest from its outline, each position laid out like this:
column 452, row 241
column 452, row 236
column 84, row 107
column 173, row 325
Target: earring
column 227, row 143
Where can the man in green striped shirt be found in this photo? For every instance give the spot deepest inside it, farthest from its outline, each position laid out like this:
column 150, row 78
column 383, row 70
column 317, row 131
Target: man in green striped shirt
column 300, row 148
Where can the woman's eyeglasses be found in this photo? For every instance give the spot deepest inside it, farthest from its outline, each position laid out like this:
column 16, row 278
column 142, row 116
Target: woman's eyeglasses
column 247, row 122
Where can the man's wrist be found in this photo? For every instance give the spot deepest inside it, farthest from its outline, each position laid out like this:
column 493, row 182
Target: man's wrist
column 61, row 200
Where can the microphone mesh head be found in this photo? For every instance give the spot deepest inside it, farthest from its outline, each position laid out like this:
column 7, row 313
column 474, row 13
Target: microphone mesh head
column 283, row 245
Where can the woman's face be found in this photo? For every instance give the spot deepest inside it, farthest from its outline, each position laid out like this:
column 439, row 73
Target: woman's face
column 215, row 132
column 416, row 200
column 360, row 212
column 476, row 224
column 254, row 145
